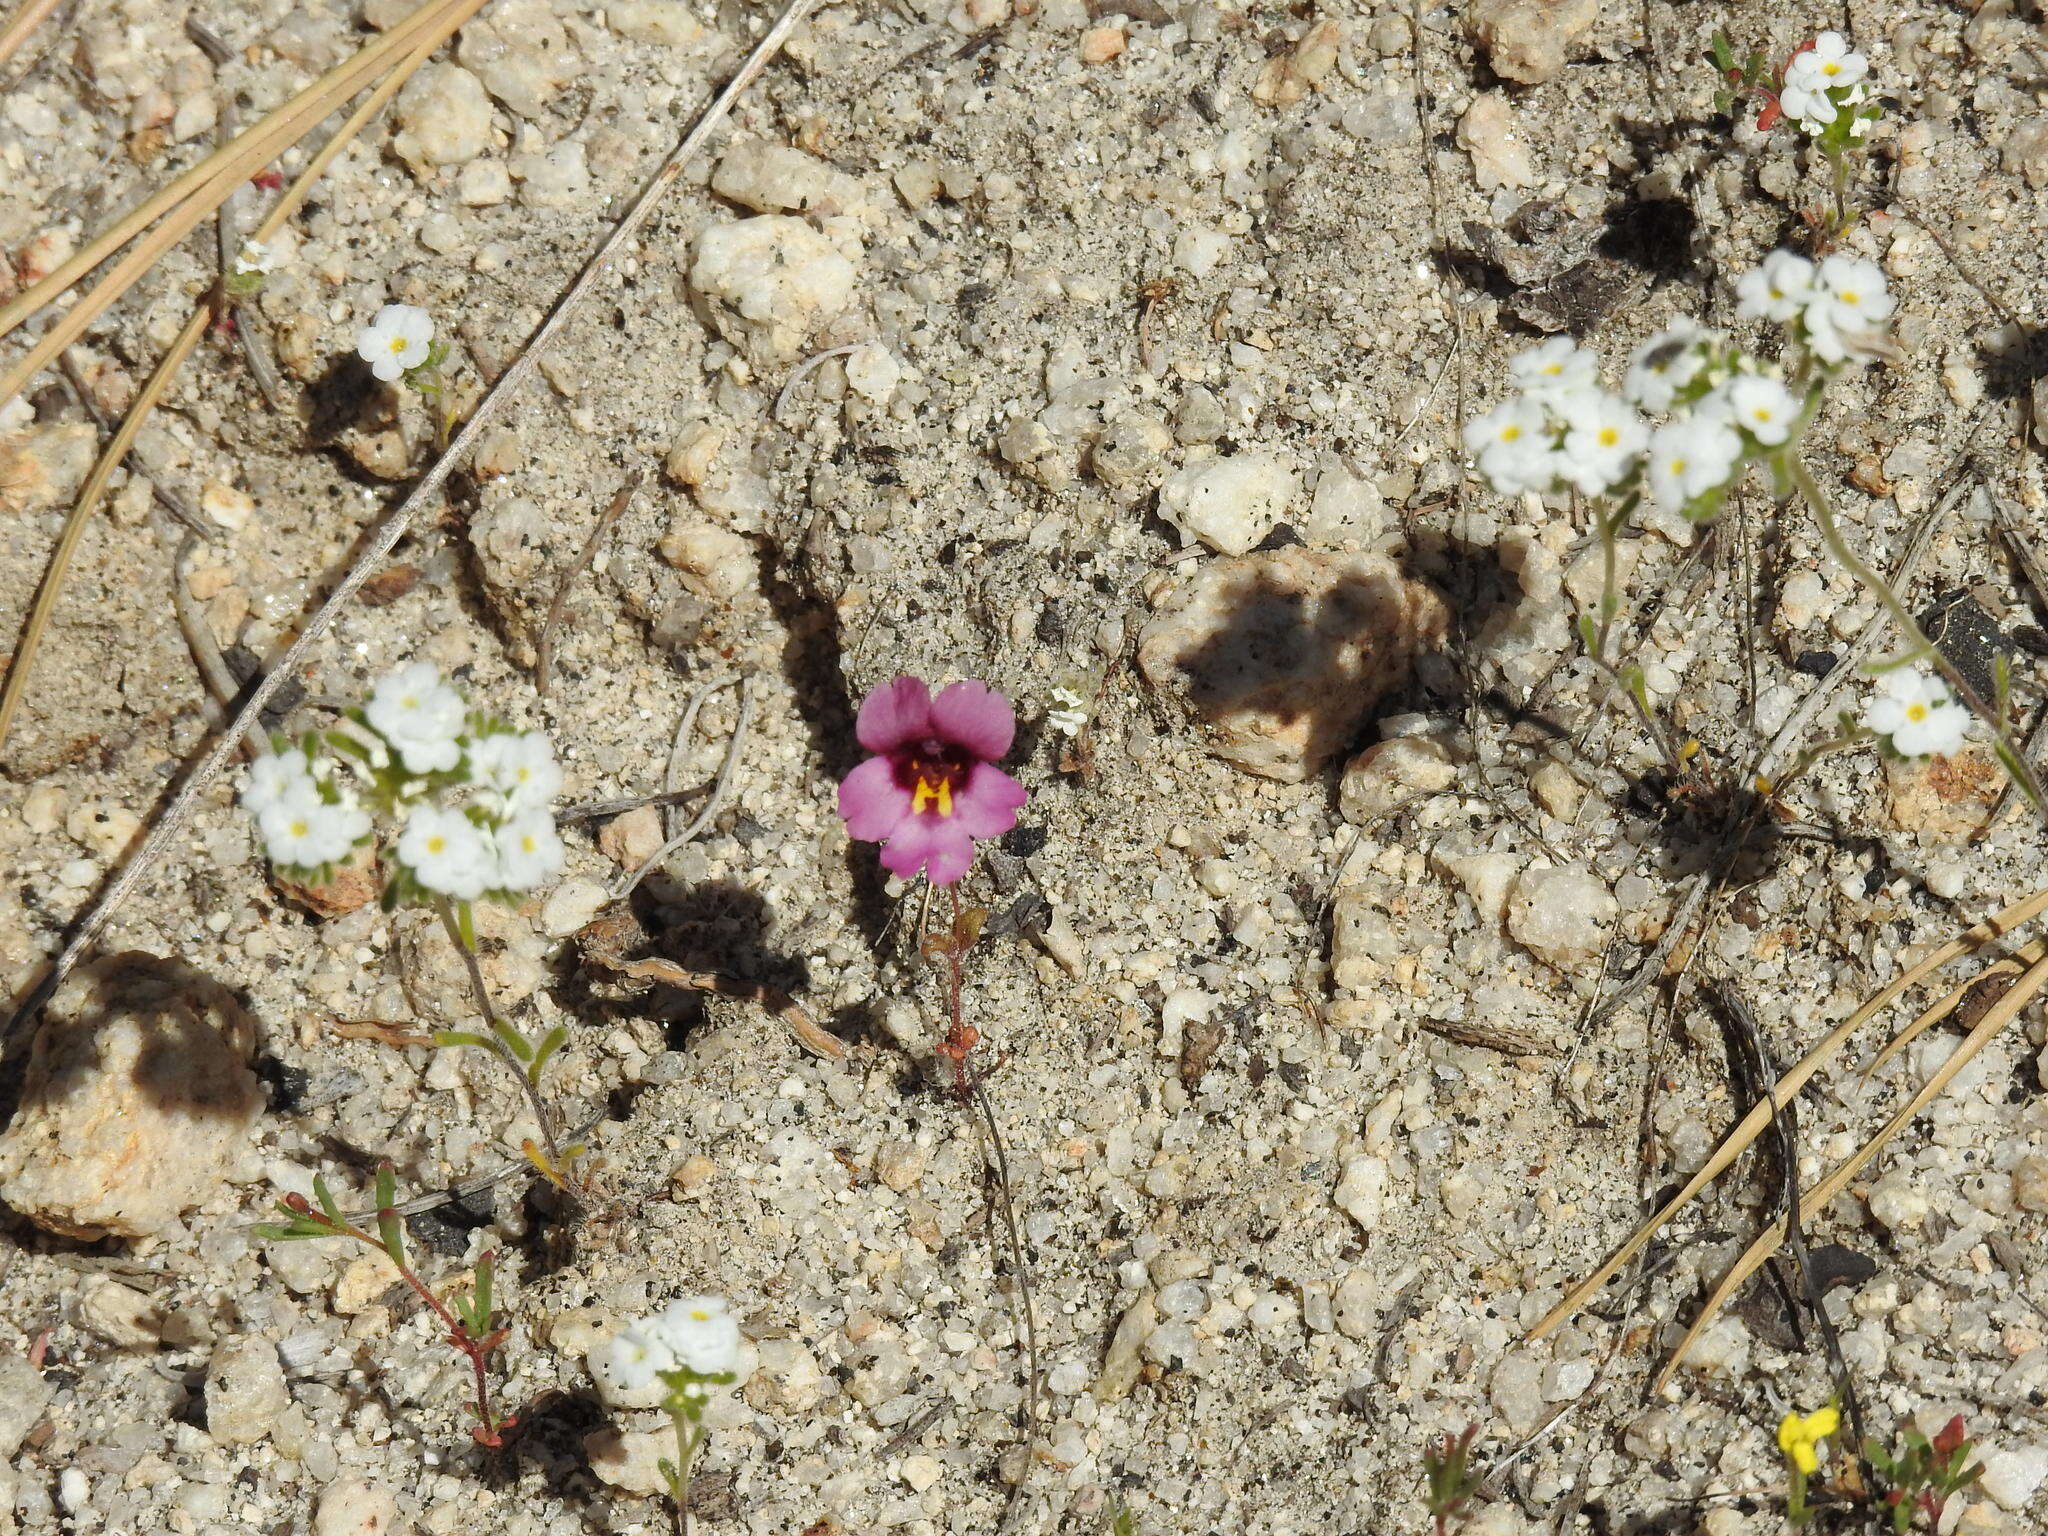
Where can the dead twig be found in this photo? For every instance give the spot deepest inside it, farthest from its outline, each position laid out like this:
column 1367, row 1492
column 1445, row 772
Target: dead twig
column 398, row 522
column 603, row 942
column 717, row 801
column 206, row 653
column 544, row 650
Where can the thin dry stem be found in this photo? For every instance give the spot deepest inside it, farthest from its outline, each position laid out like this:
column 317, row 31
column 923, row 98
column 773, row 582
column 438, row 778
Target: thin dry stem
column 21, row 24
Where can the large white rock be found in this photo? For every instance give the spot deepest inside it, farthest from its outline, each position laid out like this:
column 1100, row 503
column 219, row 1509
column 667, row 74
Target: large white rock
column 1561, row 915
column 1229, row 503
column 520, row 52
column 773, row 178
column 1282, row 655
column 444, row 117
column 245, row 1390
column 767, row 283
column 135, row 1097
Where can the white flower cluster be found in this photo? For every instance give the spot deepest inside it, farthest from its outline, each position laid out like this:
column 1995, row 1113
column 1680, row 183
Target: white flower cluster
column 1823, row 81
column 1564, row 430
column 424, row 752
column 308, row 820
column 694, row 1334
column 399, row 339
column 1915, row 713
column 1838, row 306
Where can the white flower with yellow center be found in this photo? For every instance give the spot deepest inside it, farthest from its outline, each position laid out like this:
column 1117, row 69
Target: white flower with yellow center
column 1689, row 458
column 1664, row 365
column 528, row 851
column 1554, row 370
column 447, row 853
column 421, row 716
column 399, row 339
column 1515, row 446
column 1777, row 290
column 1762, row 407
column 701, row 1332
column 633, row 1358
column 303, row 831
column 1848, row 307
column 520, row 765
column 1602, row 440
column 1916, row 714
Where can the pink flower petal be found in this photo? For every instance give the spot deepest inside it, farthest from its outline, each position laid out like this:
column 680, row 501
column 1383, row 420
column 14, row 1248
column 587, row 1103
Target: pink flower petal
column 986, row 805
column 939, row 846
column 973, row 715
column 897, row 712
column 871, row 802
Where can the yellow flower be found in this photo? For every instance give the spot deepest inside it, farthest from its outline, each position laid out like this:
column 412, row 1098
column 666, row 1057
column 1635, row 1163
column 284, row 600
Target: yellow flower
column 1798, row 1436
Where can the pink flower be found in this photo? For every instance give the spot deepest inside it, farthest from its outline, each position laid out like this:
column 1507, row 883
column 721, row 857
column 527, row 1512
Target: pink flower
column 932, row 786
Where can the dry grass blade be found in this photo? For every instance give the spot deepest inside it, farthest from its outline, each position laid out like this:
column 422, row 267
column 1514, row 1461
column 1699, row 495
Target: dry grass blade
column 21, row 24
column 1759, row 1118
column 1996, row 1018
column 167, row 369
column 398, row 521
column 231, row 166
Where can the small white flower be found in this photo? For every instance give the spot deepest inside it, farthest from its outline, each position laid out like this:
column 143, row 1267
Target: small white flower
column 1514, row 445
column 520, row 766
column 302, row 831
column 1602, row 440
column 1069, row 711
column 1849, row 305
column 1664, row 365
column 447, row 853
column 528, row 851
column 1808, row 106
column 1778, row 290
column 271, row 777
column 1828, row 65
column 1689, row 458
column 1914, row 712
column 398, row 340
column 1555, row 369
column 700, row 1332
column 255, row 257
column 420, row 716
column 633, row 1358
column 1762, row 407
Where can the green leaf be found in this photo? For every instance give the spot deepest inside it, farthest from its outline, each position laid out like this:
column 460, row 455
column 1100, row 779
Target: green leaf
column 1722, row 52
column 461, row 1037
column 483, row 1292
column 387, row 1186
column 326, row 1201
column 465, row 924
column 513, row 1041
column 550, row 1043
column 392, row 1231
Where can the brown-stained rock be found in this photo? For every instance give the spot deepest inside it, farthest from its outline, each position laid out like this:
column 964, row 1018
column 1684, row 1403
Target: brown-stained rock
column 352, row 885
column 136, row 1094
column 1943, row 797
column 1283, row 655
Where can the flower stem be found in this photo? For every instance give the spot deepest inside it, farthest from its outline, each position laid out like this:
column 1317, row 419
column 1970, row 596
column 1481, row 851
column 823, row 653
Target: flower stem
column 1823, row 514
column 687, row 1441
column 459, row 934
